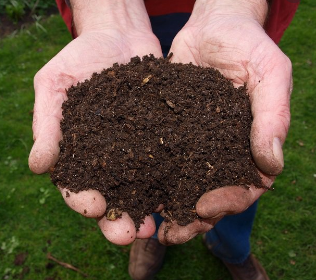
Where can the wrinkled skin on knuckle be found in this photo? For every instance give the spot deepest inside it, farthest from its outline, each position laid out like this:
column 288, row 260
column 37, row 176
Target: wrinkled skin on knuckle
column 171, row 233
column 223, row 201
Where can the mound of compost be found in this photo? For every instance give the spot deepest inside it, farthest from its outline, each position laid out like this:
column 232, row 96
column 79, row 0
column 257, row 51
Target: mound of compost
column 152, row 132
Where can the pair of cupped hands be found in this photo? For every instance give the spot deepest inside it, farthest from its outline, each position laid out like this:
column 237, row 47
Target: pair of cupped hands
column 236, row 45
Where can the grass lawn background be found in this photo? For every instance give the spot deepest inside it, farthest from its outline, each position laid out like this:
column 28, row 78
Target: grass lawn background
column 35, row 220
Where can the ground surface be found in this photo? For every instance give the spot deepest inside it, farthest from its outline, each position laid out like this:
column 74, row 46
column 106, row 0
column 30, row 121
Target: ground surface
column 9, row 26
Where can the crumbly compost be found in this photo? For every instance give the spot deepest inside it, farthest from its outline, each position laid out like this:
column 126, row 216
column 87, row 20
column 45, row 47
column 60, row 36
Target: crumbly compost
column 152, row 132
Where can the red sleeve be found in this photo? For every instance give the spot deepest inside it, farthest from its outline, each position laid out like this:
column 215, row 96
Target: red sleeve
column 66, row 14
column 164, row 7
column 280, row 17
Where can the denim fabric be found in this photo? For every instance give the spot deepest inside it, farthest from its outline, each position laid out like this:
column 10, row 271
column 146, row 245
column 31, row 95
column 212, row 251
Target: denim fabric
column 166, row 27
column 158, row 221
column 230, row 238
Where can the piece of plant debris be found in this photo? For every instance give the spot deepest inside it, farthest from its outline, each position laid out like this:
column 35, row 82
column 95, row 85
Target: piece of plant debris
column 153, row 132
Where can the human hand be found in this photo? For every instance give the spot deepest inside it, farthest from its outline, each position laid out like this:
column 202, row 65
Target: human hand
column 109, row 32
column 228, row 36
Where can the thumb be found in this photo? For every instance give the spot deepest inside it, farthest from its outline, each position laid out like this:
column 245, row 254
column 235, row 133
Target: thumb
column 46, row 124
column 45, row 150
column 270, row 103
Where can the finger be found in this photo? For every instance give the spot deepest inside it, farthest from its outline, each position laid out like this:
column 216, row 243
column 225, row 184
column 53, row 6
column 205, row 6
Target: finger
column 46, row 130
column 88, row 203
column 227, row 200
column 270, row 103
column 49, row 97
column 121, row 231
column 159, row 208
column 171, row 233
column 45, row 150
column 147, row 229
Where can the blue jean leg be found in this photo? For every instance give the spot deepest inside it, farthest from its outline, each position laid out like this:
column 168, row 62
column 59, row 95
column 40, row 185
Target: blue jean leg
column 158, row 220
column 230, row 238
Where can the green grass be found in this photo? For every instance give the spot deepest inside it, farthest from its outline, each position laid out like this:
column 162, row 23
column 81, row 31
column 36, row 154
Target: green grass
column 34, row 218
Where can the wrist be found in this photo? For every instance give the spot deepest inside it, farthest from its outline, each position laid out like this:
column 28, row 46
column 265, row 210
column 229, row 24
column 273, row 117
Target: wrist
column 99, row 15
column 250, row 9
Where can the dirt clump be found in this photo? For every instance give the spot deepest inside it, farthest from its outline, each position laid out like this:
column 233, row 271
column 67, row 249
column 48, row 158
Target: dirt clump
column 152, row 132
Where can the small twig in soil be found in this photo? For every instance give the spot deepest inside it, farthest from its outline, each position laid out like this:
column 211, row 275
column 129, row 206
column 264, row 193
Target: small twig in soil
column 66, row 265
column 146, row 80
column 169, row 56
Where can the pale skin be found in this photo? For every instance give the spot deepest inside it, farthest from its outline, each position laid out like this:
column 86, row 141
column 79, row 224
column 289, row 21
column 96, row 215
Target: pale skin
column 222, row 34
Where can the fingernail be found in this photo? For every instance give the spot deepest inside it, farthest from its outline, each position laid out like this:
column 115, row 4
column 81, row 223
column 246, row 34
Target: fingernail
column 277, row 151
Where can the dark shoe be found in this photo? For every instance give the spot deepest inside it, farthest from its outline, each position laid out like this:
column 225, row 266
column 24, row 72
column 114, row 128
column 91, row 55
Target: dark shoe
column 145, row 258
column 250, row 269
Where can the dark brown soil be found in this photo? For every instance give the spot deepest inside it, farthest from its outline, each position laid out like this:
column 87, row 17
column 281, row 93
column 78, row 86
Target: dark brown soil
column 153, row 132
